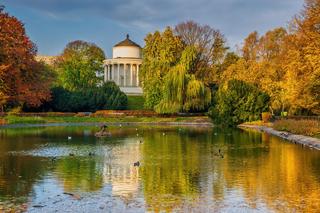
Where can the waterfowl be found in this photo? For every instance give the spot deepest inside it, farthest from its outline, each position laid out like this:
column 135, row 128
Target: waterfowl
column 103, row 132
column 69, row 137
column 137, row 164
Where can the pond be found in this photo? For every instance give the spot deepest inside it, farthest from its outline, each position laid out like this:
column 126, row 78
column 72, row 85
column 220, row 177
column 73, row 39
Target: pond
column 67, row 169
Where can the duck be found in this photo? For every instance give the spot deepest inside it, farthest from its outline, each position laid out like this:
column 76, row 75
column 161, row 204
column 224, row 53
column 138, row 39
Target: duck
column 137, row 164
column 219, row 154
column 102, row 134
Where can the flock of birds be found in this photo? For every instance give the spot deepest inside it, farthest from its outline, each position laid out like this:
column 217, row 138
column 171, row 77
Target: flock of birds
column 137, row 164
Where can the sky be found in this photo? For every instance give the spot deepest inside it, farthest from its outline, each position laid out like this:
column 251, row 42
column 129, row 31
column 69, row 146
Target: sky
column 51, row 24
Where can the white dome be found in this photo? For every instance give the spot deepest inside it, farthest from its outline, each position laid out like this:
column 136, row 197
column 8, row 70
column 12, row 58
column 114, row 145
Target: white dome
column 126, row 52
column 126, row 49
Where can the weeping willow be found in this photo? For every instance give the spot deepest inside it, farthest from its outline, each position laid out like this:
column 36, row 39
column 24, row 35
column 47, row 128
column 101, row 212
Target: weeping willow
column 181, row 90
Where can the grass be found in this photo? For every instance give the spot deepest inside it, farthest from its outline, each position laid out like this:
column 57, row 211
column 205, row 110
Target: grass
column 135, row 102
column 258, row 123
column 300, row 127
column 11, row 119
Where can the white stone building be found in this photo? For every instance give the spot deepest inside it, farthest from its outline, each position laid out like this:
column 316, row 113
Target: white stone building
column 123, row 67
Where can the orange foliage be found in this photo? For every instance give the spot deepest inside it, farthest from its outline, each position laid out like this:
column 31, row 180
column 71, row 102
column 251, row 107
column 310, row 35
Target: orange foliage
column 22, row 79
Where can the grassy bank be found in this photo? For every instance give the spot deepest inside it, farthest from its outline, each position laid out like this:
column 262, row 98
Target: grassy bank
column 299, row 127
column 73, row 119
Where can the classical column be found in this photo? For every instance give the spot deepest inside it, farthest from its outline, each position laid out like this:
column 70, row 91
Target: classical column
column 110, row 74
column 131, row 75
column 105, row 73
column 125, row 75
column 137, row 74
column 118, row 74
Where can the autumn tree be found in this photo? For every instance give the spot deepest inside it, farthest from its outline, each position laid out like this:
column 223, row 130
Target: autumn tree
column 302, row 61
column 210, row 45
column 22, row 79
column 80, row 66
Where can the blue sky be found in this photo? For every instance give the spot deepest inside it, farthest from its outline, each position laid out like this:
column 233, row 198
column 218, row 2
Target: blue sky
column 51, row 24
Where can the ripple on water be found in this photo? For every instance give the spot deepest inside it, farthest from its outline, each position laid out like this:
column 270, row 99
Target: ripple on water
column 63, row 151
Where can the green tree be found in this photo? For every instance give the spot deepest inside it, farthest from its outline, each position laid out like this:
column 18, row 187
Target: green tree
column 80, row 66
column 237, row 102
column 106, row 96
column 161, row 52
column 181, row 90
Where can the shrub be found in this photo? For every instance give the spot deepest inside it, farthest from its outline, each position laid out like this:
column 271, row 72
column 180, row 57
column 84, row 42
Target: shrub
column 266, row 117
column 105, row 96
column 238, row 102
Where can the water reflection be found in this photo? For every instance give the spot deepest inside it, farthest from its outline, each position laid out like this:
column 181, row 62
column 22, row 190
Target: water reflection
column 181, row 168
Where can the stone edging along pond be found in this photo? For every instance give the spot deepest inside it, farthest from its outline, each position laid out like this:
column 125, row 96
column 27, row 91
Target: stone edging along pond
column 297, row 139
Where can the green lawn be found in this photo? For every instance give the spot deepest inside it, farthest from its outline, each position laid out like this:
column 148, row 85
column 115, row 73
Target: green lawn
column 11, row 119
column 135, row 102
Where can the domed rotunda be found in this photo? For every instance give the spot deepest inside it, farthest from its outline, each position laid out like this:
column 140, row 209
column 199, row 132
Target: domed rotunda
column 123, row 67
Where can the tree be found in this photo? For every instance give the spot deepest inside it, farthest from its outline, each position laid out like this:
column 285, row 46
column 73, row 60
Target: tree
column 237, row 102
column 210, row 45
column 80, row 65
column 106, row 96
column 22, row 79
column 249, row 49
column 302, row 61
column 181, row 90
column 161, row 52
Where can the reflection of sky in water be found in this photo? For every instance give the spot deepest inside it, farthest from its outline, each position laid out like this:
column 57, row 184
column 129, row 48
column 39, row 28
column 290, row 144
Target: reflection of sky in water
column 180, row 170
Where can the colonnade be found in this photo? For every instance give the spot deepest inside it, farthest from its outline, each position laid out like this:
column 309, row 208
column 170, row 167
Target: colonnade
column 123, row 74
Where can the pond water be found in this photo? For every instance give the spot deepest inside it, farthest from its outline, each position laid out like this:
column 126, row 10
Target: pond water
column 180, row 170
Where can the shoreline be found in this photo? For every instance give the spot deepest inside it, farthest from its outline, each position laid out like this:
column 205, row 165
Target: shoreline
column 62, row 124
column 296, row 139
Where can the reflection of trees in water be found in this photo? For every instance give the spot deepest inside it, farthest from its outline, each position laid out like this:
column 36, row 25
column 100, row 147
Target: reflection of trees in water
column 18, row 174
column 263, row 169
column 178, row 168
column 281, row 177
column 80, row 173
column 172, row 169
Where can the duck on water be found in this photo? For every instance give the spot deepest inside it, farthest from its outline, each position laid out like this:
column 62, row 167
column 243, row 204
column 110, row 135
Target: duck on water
column 103, row 131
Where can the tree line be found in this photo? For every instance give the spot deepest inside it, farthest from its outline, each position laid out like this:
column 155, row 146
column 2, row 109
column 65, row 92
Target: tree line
column 72, row 83
column 186, row 68
column 189, row 68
